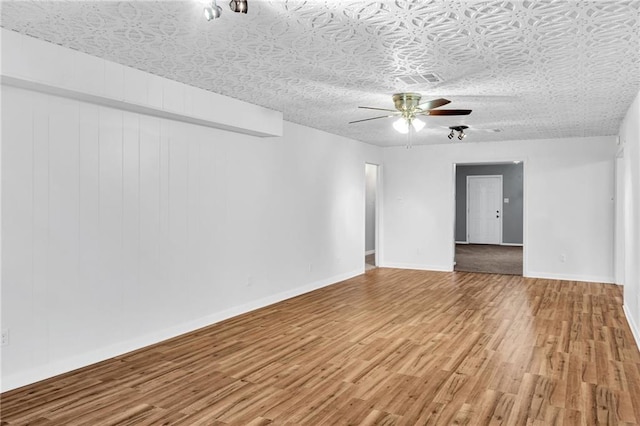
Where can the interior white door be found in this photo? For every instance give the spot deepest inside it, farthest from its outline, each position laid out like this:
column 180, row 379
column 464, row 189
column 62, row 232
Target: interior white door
column 484, row 209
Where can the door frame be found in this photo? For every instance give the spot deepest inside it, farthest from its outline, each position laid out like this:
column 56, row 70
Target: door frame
column 469, row 178
column 619, row 260
column 525, row 205
column 377, row 246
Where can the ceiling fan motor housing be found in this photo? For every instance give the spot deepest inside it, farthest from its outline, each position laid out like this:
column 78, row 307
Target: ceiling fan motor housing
column 406, row 101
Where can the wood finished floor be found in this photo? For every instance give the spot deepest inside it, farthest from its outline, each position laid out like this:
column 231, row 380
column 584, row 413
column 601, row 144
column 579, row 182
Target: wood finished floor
column 388, row 347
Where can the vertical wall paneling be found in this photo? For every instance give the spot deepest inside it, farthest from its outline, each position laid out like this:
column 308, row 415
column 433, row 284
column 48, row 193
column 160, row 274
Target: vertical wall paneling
column 64, row 239
column 165, row 244
column 17, row 223
column 41, row 185
column 177, row 231
column 149, row 200
column 131, row 218
column 108, row 286
column 212, row 163
column 89, row 217
column 193, row 267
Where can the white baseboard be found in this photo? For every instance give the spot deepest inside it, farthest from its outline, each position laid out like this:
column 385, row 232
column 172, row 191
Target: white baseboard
column 367, row 252
column 13, row 381
column 418, row 266
column 569, row 277
column 462, row 242
column 632, row 325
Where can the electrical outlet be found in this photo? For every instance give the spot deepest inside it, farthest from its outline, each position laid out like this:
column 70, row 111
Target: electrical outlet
column 310, row 267
column 5, row 337
column 563, row 258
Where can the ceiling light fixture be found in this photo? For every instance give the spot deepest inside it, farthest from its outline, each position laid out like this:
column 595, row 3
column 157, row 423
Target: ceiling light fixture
column 402, row 124
column 407, row 125
column 239, row 6
column 460, row 130
column 417, row 124
column 212, row 10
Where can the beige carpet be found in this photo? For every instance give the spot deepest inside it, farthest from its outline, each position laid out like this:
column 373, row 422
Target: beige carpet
column 489, row 258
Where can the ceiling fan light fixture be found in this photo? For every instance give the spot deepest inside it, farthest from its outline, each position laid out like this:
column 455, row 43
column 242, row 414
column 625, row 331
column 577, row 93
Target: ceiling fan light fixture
column 417, row 124
column 461, row 135
column 408, row 108
column 401, row 125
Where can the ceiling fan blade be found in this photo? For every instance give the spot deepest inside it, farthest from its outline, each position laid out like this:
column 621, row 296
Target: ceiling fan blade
column 374, row 118
column 447, row 112
column 378, row 109
column 434, row 103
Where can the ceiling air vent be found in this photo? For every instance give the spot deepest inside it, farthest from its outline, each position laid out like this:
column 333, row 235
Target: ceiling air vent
column 412, row 80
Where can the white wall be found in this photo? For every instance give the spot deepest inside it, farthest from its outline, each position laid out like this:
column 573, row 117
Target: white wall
column 630, row 142
column 121, row 229
column 568, row 204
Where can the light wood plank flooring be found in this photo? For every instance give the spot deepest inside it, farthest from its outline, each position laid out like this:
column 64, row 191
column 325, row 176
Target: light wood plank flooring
column 387, row 347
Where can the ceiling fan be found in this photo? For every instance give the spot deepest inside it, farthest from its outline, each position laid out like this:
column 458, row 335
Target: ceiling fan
column 408, row 107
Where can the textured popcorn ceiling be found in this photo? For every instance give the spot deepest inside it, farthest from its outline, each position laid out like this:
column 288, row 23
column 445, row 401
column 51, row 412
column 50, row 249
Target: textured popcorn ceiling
column 531, row 69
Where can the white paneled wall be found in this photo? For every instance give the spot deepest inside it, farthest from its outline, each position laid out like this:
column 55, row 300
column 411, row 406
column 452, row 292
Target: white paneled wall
column 121, row 229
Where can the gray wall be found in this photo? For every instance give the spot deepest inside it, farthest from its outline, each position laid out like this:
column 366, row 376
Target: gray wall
column 371, row 172
column 511, row 189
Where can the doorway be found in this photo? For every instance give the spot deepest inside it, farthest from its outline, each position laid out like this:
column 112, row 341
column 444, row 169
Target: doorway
column 489, row 205
column 619, row 236
column 370, row 216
